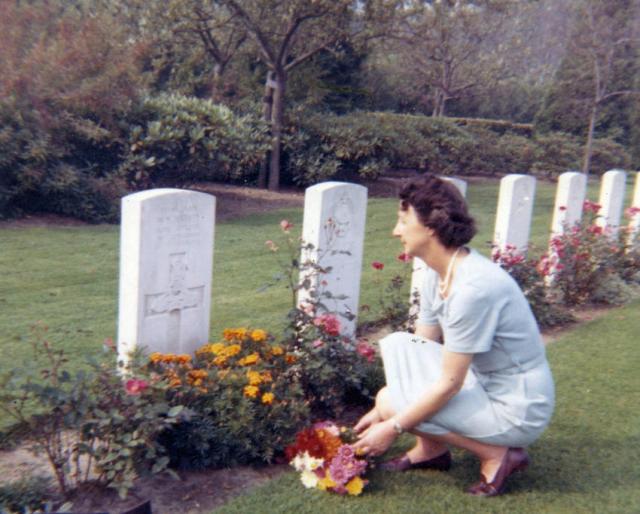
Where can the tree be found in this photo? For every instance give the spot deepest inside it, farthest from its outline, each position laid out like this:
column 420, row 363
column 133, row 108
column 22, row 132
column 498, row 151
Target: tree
column 598, row 75
column 288, row 33
column 453, row 45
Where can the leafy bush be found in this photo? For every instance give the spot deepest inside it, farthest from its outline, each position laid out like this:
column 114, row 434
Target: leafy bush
column 66, row 82
column 243, row 397
column 176, row 140
column 555, row 153
column 607, row 154
column 91, row 426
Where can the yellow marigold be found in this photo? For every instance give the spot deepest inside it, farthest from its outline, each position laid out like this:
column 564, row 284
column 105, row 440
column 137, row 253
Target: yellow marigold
column 231, row 350
column 216, row 348
column 220, row 360
column 196, row 376
column 254, row 378
column 155, row 357
column 251, row 391
column 277, row 350
column 266, row 376
column 168, row 358
column 267, row 398
column 326, row 482
column 249, row 359
column 258, row 336
column 354, row 486
column 289, row 359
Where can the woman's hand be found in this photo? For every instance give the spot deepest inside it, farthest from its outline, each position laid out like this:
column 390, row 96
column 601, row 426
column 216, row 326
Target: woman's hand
column 376, row 439
column 370, row 418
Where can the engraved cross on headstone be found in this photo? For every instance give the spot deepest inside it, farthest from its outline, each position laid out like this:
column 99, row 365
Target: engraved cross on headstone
column 178, row 298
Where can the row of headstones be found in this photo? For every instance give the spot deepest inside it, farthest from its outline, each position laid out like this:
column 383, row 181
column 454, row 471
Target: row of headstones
column 166, row 252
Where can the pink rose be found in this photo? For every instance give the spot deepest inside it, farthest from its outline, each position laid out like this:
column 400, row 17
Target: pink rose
column 329, row 323
column 286, row 225
column 135, row 386
column 366, row 350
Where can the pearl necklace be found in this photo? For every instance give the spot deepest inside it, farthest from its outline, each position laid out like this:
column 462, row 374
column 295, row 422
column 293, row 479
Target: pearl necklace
column 443, row 285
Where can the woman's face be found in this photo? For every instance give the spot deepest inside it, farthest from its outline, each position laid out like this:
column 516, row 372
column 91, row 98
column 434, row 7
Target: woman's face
column 413, row 235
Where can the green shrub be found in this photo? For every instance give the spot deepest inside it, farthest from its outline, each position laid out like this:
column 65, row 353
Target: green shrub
column 175, row 140
column 555, row 153
column 607, row 154
column 243, row 398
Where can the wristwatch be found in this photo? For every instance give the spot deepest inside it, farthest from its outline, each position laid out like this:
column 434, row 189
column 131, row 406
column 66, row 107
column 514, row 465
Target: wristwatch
column 397, row 426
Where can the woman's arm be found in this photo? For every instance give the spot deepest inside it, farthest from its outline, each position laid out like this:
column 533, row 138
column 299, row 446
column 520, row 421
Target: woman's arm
column 432, row 332
column 380, row 436
column 454, row 371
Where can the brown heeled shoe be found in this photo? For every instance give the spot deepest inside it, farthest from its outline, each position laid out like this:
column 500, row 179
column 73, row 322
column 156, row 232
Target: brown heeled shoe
column 439, row 463
column 516, row 459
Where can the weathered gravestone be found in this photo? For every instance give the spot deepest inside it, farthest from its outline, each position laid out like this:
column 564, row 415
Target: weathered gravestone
column 166, row 260
column 419, row 266
column 570, row 195
column 334, row 221
column 515, row 207
column 634, row 221
column 612, row 200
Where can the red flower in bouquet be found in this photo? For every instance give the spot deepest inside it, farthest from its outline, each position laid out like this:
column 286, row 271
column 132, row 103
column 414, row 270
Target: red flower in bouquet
column 325, row 461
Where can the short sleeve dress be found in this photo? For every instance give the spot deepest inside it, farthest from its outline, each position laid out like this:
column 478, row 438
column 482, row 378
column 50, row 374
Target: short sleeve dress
column 508, row 395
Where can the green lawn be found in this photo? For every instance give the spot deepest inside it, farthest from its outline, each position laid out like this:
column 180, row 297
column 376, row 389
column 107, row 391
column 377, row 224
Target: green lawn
column 587, row 461
column 67, row 278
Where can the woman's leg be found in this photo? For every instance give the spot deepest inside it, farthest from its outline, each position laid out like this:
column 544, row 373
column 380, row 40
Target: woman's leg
column 429, row 446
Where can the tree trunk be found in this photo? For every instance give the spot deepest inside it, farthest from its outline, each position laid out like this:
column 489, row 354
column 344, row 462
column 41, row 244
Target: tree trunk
column 277, row 118
column 267, row 105
column 586, row 162
column 216, row 83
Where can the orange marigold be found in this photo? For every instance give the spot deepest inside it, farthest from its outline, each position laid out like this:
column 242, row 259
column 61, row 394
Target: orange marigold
column 277, row 350
column 258, row 336
column 267, row 398
column 266, row 376
column 251, row 391
column 290, row 359
column 155, row 357
column 234, row 334
column 183, row 358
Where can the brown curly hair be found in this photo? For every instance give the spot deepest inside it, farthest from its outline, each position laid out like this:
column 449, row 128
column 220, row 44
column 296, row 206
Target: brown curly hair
column 439, row 206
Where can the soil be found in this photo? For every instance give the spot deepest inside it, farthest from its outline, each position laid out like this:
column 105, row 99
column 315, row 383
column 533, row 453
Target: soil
column 196, row 492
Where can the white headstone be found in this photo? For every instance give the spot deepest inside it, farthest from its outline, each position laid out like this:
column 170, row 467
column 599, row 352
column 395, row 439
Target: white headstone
column 611, row 199
column 570, row 195
column 634, row 221
column 459, row 183
column 166, row 261
column 419, row 266
column 515, row 207
column 334, row 221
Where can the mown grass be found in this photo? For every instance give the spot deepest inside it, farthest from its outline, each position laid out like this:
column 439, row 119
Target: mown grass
column 587, row 460
column 67, row 277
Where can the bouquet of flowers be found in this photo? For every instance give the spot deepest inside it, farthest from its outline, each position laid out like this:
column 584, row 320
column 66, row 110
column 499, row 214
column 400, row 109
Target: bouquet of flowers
column 326, row 461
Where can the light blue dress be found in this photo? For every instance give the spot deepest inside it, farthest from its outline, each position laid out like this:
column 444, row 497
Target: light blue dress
column 508, row 395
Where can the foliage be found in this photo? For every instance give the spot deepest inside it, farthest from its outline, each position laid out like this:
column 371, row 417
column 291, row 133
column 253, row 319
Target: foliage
column 527, row 273
column 176, row 140
column 92, row 427
column 24, row 495
column 330, row 367
column 60, row 131
column 242, row 396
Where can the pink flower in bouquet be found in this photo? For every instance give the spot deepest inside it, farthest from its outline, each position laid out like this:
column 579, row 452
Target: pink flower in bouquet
column 366, row 350
column 135, row 386
column 286, row 225
column 329, row 323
